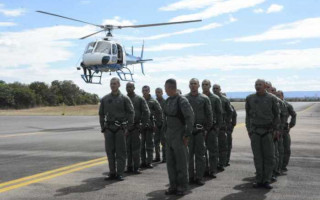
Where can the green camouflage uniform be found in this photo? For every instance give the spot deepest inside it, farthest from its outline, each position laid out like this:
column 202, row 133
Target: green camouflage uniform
column 278, row 141
column 202, row 109
column 262, row 118
column 286, row 133
column 229, row 132
column 212, row 137
column 155, row 121
column 141, row 117
column 159, row 137
column 222, row 137
column 114, row 110
column 179, row 119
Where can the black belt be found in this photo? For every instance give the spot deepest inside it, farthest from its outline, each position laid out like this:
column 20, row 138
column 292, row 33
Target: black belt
column 267, row 126
column 198, row 129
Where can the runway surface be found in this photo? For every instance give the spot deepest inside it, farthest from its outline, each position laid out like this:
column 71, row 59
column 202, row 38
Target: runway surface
column 60, row 157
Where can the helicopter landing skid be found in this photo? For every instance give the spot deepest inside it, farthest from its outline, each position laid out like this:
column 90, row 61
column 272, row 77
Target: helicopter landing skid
column 123, row 73
column 89, row 78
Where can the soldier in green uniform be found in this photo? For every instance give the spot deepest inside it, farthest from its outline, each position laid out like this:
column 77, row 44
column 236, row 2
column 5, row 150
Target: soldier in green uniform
column 158, row 136
column 203, row 119
column 178, row 126
column 116, row 114
column 226, row 120
column 229, row 133
column 262, row 118
column 147, row 135
column 278, row 144
column 286, row 132
column 212, row 136
column 141, row 117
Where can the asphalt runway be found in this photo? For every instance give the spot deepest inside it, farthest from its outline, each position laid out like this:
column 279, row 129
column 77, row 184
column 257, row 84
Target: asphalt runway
column 61, row 157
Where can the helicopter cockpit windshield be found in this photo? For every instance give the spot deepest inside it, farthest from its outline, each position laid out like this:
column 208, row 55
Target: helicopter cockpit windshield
column 103, row 47
column 90, row 47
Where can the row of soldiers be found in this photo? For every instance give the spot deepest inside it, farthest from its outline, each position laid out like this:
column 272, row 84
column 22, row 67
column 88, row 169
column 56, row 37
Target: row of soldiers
column 195, row 131
column 267, row 124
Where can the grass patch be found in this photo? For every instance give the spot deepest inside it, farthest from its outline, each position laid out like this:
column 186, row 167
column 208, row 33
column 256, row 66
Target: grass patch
column 83, row 110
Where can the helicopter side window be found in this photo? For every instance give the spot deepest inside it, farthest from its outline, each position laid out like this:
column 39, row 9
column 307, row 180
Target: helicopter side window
column 103, row 47
column 114, row 49
column 90, row 47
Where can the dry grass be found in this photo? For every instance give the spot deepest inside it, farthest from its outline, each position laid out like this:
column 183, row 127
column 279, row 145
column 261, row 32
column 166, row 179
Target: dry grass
column 238, row 105
column 84, row 110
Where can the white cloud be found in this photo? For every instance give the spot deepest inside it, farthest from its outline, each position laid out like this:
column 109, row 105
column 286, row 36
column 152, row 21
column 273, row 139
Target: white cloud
column 7, row 24
column 258, row 10
column 219, row 8
column 274, row 8
column 11, row 12
column 268, row 60
column 38, row 46
column 306, row 28
column 293, row 42
column 232, row 19
column 118, row 21
column 165, row 35
column 172, row 46
column 188, row 4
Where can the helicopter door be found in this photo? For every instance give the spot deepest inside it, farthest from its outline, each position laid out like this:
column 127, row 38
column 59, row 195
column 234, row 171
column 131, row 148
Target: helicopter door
column 120, row 54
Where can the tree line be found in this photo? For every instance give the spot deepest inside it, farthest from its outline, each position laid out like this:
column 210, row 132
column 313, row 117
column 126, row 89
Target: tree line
column 18, row 95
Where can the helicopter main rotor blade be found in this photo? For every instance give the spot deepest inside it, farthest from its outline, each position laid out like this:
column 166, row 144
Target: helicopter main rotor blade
column 43, row 12
column 91, row 34
column 157, row 24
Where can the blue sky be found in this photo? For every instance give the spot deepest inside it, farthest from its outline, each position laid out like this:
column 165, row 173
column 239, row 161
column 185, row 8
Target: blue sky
column 236, row 43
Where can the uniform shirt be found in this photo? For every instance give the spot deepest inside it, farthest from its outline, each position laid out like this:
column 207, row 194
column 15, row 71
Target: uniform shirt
column 116, row 108
column 226, row 110
column 141, row 109
column 234, row 116
column 291, row 113
column 216, row 109
column 261, row 111
column 173, row 127
column 155, row 111
column 202, row 109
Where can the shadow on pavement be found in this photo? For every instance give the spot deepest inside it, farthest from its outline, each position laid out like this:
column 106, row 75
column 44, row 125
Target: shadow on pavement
column 159, row 194
column 88, row 185
column 247, row 191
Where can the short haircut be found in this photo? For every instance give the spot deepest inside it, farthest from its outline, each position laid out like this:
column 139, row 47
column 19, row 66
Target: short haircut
column 266, row 82
column 171, row 83
column 159, row 89
column 207, row 80
column 115, row 79
column 262, row 80
column 281, row 92
column 194, row 79
column 146, row 87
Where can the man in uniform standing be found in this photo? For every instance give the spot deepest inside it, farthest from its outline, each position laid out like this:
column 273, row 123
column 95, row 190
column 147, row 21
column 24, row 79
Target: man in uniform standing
column 262, row 118
column 141, row 117
column 212, row 136
column 158, row 136
column 226, row 120
column 178, row 126
column 286, row 132
column 230, row 128
column 116, row 113
column 154, row 122
column 203, row 119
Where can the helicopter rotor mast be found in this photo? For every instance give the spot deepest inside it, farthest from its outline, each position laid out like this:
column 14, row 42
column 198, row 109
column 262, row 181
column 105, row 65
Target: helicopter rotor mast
column 110, row 27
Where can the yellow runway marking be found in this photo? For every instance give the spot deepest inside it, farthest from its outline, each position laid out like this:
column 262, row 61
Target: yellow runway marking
column 50, row 174
column 20, row 134
column 308, row 108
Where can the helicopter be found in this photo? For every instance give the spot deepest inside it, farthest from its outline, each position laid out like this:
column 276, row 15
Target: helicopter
column 107, row 55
